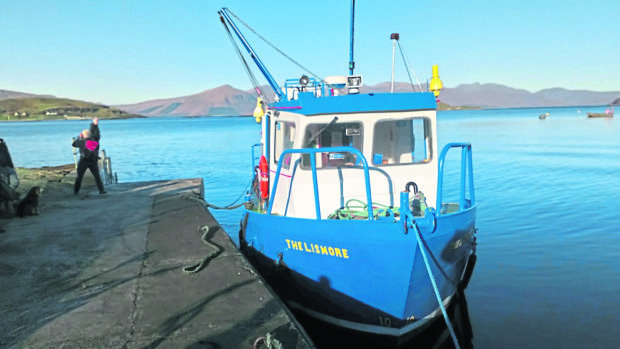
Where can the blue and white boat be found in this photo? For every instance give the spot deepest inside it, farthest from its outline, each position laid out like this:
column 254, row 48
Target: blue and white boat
column 349, row 219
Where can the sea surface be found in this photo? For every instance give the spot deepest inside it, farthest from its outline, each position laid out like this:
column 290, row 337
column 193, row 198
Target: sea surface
column 548, row 269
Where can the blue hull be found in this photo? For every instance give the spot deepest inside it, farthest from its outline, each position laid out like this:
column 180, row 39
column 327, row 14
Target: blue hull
column 363, row 275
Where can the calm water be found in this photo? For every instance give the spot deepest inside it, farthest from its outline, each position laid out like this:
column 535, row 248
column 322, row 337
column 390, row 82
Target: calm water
column 548, row 271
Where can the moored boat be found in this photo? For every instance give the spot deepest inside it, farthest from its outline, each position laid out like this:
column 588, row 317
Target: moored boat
column 609, row 113
column 350, row 219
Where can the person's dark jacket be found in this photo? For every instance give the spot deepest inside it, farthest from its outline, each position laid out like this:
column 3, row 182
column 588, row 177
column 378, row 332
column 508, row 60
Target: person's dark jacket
column 94, row 132
column 89, row 148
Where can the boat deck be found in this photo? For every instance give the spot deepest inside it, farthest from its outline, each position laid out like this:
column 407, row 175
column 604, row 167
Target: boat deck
column 107, row 271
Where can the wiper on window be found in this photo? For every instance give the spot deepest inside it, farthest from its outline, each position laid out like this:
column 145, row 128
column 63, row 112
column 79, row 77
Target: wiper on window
column 316, row 135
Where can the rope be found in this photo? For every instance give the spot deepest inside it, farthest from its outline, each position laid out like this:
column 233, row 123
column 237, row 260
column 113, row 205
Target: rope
column 198, row 267
column 434, row 284
column 233, row 205
column 209, row 205
column 358, row 209
column 407, row 67
column 253, row 79
column 205, row 229
column 269, row 341
column 275, row 48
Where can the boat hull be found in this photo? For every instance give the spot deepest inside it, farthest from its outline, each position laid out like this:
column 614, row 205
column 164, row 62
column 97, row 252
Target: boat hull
column 600, row 115
column 361, row 275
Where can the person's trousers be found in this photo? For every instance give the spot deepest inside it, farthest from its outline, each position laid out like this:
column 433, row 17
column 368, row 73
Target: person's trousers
column 81, row 169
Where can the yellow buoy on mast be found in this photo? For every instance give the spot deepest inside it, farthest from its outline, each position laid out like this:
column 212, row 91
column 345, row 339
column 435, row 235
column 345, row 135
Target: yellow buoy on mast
column 436, row 84
column 259, row 111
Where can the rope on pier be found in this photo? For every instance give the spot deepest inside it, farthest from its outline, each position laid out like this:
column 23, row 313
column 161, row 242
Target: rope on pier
column 205, row 239
column 269, row 342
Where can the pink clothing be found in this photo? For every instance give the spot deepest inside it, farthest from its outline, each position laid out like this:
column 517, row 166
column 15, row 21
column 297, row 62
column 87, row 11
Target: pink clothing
column 91, row 145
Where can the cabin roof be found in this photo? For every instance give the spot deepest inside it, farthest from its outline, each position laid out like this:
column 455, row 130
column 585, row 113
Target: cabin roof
column 308, row 104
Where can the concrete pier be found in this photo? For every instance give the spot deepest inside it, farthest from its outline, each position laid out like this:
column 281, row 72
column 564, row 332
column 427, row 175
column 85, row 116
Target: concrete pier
column 106, row 271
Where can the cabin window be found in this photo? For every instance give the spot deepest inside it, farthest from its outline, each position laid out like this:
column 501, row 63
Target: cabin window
column 336, row 134
column 405, row 141
column 284, row 136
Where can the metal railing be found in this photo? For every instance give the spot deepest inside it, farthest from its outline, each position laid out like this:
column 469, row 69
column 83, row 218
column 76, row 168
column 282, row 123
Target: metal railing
column 105, row 167
column 255, row 157
column 466, row 177
column 316, row 87
column 312, row 152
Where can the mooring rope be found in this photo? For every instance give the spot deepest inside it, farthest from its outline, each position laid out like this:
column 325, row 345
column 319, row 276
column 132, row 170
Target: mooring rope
column 198, row 267
column 434, row 284
column 269, row 341
column 233, row 205
column 205, row 229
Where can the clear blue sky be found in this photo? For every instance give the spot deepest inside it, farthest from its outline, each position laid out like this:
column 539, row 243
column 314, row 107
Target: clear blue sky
column 117, row 52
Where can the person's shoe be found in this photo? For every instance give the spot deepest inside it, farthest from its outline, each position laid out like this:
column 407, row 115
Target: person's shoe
column 103, row 192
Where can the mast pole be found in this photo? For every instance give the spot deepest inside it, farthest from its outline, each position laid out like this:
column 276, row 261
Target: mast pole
column 394, row 37
column 351, row 61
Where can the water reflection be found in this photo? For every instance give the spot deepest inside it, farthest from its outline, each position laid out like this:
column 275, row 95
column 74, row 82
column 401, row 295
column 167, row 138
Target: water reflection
column 433, row 335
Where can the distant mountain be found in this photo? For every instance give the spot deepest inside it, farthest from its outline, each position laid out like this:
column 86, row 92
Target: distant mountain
column 6, row 94
column 500, row 96
column 220, row 101
column 229, row 101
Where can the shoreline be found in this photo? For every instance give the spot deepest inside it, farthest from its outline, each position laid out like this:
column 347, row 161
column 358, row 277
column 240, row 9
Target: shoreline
column 71, row 119
column 42, row 176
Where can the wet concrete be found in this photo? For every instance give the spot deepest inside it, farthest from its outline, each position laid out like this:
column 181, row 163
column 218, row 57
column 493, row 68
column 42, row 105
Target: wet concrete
column 107, row 271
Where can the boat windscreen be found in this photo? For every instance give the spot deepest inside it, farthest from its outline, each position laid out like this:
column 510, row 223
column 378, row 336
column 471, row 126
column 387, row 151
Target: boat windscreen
column 404, row 141
column 333, row 134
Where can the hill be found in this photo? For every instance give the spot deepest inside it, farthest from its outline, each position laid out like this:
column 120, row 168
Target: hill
column 6, row 94
column 226, row 100
column 38, row 108
column 220, row 101
column 500, row 96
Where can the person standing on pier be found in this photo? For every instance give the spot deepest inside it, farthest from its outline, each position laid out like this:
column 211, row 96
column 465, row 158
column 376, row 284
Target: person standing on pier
column 88, row 142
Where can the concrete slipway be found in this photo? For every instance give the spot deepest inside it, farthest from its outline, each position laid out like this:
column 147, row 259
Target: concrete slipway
column 106, row 271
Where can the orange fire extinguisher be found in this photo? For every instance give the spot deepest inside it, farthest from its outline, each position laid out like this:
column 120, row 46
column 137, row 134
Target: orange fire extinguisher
column 264, row 177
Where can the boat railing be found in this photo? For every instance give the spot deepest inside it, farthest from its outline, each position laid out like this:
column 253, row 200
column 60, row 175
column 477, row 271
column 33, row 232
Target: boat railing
column 315, row 186
column 255, row 157
column 339, row 168
column 466, row 176
column 293, row 87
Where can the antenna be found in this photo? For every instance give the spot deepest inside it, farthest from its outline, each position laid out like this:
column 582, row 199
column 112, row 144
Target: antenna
column 394, row 37
column 351, row 61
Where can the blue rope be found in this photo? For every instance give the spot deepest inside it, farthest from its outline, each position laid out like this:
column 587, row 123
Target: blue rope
column 432, row 278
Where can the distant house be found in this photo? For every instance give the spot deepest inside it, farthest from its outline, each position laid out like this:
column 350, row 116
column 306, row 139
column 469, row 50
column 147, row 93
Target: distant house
column 51, row 113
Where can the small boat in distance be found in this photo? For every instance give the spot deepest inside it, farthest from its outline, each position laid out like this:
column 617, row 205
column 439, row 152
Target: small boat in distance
column 609, row 113
column 543, row 116
column 352, row 219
